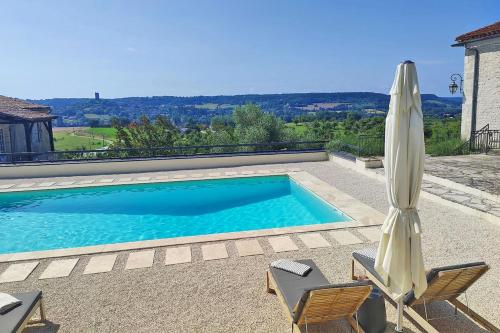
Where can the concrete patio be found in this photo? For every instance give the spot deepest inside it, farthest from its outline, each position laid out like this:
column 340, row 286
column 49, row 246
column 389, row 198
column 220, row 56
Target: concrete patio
column 219, row 287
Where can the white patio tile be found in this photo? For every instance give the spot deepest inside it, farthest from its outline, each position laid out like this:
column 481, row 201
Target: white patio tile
column 123, row 180
column 214, row 174
column 373, row 234
column 6, row 186
column 141, row 259
column 162, row 177
column 282, row 244
column 214, row 251
column 314, row 240
column 196, row 175
column 66, row 183
column 59, row 268
column 247, row 172
column 25, row 185
column 344, row 237
column 100, row 264
column 264, row 172
column 46, row 184
column 279, row 170
column 230, row 173
column 249, row 247
column 179, row 176
column 178, row 255
column 294, row 169
column 88, row 181
column 106, row 180
column 18, row 272
column 143, row 179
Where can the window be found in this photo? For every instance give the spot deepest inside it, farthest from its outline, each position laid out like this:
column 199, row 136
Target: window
column 39, row 132
column 2, row 141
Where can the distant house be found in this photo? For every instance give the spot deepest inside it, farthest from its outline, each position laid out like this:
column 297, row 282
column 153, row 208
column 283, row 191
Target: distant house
column 481, row 104
column 25, row 127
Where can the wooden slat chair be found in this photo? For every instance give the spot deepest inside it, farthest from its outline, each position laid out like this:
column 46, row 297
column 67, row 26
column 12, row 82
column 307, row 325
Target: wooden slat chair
column 18, row 318
column 444, row 284
column 311, row 299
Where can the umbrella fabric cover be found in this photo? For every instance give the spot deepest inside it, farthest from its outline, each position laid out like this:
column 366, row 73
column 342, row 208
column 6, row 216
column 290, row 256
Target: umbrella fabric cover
column 399, row 258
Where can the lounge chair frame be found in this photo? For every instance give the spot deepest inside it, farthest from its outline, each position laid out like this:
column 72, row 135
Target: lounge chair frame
column 321, row 305
column 28, row 321
column 446, row 287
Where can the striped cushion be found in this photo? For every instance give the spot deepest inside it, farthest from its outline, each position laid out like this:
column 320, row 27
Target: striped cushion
column 291, row 266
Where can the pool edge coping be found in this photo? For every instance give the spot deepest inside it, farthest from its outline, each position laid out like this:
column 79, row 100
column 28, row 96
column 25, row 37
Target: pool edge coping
column 361, row 215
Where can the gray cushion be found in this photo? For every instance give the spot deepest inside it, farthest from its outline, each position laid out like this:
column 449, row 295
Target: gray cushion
column 295, row 289
column 12, row 320
column 366, row 258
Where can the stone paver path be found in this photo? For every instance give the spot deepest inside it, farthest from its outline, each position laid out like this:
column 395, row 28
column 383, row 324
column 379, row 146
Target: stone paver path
column 344, row 237
column 25, row 185
column 214, row 251
column 178, row 255
column 100, row 264
column 143, row 179
column 106, row 180
column 59, row 268
column 141, row 259
column 18, row 272
column 85, row 182
column 282, row 244
column 373, row 234
column 6, row 186
column 45, row 184
column 249, row 247
column 66, row 183
column 314, row 240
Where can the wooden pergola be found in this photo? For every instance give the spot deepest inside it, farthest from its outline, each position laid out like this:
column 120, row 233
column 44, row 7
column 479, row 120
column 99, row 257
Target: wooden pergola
column 28, row 122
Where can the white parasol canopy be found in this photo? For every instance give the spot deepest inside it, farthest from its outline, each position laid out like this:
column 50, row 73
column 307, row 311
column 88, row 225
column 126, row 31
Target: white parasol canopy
column 399, row 258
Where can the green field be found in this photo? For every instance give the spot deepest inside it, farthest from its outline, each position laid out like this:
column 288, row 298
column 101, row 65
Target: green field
column 299, row 128
column 83, row 138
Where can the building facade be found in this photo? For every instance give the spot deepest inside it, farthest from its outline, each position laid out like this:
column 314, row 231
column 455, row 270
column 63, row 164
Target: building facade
column 481, row 86
column 24, row 127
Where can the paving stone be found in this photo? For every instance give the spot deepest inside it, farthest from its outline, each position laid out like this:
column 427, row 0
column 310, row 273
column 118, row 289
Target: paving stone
column 25, row 185
column 196, row 175
column 247, row 172
column 100, row 264
column 314, row 240
column 162, row 177
column 90, row 181
column 46, row 184
column 71, row 182
column 124, row 179
column 179, row 176
column 344, row 237
column 279, row 170
column 294, row 169
column 282, row 244
column 373, row 234
column 142, row 179
column 214, row 174
column 106, row 180
column 141, row 259
column 214, row 251
column 264, row 171
column 6, row 186
column 230, row 173
column 18, row 272
column 249, row 247
column 178, row 255
column 59, row 268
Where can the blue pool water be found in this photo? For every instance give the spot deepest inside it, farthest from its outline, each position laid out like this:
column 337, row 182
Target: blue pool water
column 65, row 218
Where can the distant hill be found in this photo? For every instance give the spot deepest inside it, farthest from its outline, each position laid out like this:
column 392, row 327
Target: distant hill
column 200, row 109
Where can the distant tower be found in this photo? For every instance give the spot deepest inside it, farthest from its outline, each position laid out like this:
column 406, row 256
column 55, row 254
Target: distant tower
column 96, row 96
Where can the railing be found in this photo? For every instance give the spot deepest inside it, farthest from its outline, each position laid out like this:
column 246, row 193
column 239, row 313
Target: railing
column 481, row 141
column 160, row 152
column 361, row 146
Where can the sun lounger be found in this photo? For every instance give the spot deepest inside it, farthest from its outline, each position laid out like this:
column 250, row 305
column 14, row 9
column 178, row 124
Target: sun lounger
column 311, row 299
column 444, row 284
column 16, row 319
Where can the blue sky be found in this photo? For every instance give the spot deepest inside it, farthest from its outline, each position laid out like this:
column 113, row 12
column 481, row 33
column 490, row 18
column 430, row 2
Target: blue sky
column 144, row 48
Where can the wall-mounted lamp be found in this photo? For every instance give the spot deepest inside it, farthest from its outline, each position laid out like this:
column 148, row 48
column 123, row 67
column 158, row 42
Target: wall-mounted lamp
column 453, row 85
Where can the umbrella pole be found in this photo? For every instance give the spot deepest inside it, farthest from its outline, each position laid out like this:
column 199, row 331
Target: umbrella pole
column 399, row 323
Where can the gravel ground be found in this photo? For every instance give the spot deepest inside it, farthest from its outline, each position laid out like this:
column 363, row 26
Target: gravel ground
column 228, row 295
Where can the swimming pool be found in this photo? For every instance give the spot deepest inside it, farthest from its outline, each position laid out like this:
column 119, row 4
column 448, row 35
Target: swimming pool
column 68, row 218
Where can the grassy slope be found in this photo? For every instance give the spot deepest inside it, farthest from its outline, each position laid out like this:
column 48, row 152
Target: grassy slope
column 90, row 138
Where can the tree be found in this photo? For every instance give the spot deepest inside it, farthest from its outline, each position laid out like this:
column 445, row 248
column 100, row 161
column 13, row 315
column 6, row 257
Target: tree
column 252, row 125
column 146, row 134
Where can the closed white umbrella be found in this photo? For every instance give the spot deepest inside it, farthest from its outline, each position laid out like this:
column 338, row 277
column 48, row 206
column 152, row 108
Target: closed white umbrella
column 399, row 258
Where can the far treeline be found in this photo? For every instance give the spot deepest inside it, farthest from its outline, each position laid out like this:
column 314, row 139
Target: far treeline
column 250, row 124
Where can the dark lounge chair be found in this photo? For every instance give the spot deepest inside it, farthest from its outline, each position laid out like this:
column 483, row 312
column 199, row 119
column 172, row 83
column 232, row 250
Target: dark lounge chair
column 311, row 299
column 443, row 284
column 18, row 318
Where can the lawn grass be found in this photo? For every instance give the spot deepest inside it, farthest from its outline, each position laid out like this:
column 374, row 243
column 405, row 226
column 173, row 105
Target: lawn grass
column 107, row 132
column 85, row 138
column 299, row 128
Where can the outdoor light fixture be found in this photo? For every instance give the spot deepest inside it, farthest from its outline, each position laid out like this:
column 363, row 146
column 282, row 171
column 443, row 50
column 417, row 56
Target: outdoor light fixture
column 453, row 85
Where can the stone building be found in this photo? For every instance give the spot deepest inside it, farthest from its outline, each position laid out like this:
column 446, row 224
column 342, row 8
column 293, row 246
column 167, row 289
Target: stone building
column 481, row 86
column 24, row 127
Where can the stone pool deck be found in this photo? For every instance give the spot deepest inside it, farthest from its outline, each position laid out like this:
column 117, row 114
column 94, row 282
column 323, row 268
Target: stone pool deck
column 219, row 286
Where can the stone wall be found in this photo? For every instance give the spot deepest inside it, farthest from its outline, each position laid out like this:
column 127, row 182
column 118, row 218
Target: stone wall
column 488, row 97
column 15, row 141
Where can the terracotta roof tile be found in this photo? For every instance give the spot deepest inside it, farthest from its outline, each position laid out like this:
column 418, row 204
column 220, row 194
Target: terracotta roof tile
column 17, row 108
column 491, row 30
